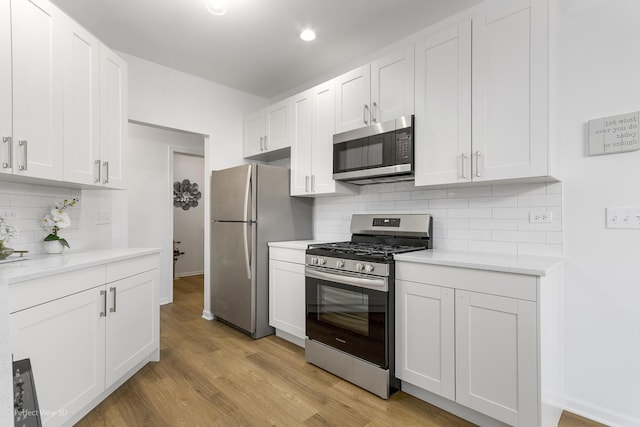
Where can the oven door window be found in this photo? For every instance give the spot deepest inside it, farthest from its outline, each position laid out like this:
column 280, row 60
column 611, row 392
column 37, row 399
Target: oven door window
column 349, row 318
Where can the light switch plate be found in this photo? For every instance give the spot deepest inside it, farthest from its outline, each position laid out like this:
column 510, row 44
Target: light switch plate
column 628, row 218
column 103, row 217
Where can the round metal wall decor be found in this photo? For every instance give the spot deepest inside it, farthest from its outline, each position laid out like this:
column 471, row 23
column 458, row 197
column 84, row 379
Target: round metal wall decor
column 185, row 194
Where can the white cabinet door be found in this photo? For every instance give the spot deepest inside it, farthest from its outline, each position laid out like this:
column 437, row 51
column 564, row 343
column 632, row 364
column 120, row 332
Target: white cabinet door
column 81, row 58
column 353, row 94
column 65, row 340
column 277, row 122
column 425, row 352
column 131, row 323
column 254, row 132
column 113, row 118
column 392, row 86
column 287, row 297
column 323, row 125
column 37, row 89
column 301, row 107
column 443, row 107
column 510, row 91
column 496, row 357
column 6, row 115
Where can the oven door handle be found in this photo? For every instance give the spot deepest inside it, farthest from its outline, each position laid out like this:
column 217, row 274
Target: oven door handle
column 375, row 283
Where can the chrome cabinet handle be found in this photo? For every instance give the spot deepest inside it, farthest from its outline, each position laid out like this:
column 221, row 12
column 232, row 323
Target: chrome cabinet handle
column 374, row 113
column 261, row 138
column 23, row 144
column 103, row 294
column 113, row 309
column 265, row 143
column 313, row 183
column 364, row 114
column 9, row 161
column 106, row 172
column 477, row 164
column 463, row 157
column 306, row 183
column 99, row 170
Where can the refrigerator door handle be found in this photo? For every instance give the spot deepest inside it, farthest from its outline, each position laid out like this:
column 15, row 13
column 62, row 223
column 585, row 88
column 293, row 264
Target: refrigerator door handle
column 247, row 258
column 247, row 195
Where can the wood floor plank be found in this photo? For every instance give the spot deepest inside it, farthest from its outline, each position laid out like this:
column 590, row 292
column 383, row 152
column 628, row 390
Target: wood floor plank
column 210, row 374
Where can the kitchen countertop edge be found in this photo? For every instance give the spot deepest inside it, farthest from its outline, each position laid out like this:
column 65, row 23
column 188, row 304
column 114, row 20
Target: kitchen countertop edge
column 523, row 264
column 294, row 244
column 43, row 265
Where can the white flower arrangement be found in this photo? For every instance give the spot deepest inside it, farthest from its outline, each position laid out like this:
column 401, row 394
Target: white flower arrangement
column 7, row 231
column 58, row 219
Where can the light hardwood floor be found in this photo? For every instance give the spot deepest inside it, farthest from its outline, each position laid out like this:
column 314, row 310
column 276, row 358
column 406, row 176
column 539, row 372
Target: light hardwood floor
column 212, row 375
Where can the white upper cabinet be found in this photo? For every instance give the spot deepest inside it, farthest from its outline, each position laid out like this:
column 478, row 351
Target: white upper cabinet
column 37, row 89
column 481, row 97
column 268, row 131
column 81, row 56
column 113, row 118
column 5, row 88
column 510, row 91
column 373, row 93
column 443, row 107
column 313, row 124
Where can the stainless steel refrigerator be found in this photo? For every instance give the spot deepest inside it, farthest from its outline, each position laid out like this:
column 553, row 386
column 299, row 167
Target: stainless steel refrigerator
column 250, row 206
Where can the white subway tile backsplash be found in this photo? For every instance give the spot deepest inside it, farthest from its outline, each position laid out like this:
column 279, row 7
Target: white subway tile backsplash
column 490, row 218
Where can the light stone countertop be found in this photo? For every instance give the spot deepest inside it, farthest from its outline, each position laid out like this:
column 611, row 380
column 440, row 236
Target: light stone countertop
column 43, row 265
column 523, row 264
column 294, row 244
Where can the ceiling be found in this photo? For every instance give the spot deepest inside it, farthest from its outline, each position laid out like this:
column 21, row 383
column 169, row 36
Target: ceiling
column 255, row 47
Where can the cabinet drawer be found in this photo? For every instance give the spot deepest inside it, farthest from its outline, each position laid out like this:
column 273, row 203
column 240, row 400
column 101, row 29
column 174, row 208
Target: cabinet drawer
column 512, row 285
column 38, row 291
column 122, row 269
column 288, row 255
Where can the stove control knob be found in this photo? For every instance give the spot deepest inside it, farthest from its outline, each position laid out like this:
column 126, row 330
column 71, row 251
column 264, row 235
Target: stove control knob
column 359, row 266
column 368, row 268
column 314, row 260
column 322, row 261
column 340, row 263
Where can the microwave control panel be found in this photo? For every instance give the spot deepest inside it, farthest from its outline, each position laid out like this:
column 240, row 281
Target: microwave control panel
column 404, row 146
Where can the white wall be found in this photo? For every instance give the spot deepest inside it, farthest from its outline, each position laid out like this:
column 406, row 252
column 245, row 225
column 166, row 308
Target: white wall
column 600, row 76
column 162, row 96
column 150, row 191
column 188, row 225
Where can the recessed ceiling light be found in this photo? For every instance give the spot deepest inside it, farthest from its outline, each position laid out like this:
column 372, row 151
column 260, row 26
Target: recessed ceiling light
column 216, row 7
column 307, row 35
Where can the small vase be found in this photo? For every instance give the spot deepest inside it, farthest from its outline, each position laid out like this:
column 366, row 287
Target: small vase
column 4, row 251
column 52, row 247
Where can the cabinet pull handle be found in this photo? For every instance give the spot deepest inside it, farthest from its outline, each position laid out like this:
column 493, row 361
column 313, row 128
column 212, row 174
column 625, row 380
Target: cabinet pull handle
column 374, row 113
column 462, row 159
column 103, row 294
column 364, row 114
column 265, row 143
column 23, row 144
column 478, row 164
column 99, row 170
column 261, row 138
column 106, row 172
column 313, row 183
column 7, row 164
column 306, row 183
column 113, row 309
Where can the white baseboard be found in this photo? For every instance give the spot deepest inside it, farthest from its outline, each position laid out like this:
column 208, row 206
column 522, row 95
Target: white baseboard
column 599, row 414
column 165, row 300
column 290, row 337
column 190, row 273
column 206, row 314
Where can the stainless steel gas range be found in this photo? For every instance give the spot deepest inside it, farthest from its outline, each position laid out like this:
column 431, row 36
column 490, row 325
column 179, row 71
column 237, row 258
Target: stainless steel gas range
column 350, row 298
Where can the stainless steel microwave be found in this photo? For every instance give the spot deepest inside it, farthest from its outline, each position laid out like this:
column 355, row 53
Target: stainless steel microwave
column 378, row 153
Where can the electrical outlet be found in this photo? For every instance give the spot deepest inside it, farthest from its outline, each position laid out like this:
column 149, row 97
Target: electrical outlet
column 7, row 213
column 103, row 217
column 623, row 218
column 540, row 217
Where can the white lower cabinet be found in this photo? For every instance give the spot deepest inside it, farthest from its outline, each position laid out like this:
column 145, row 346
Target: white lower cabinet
column 287, row 293
column 474, row 338
column 82, row 343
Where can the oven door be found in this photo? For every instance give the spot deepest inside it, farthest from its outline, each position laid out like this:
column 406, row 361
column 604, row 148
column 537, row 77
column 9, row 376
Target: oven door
column 349, row 312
